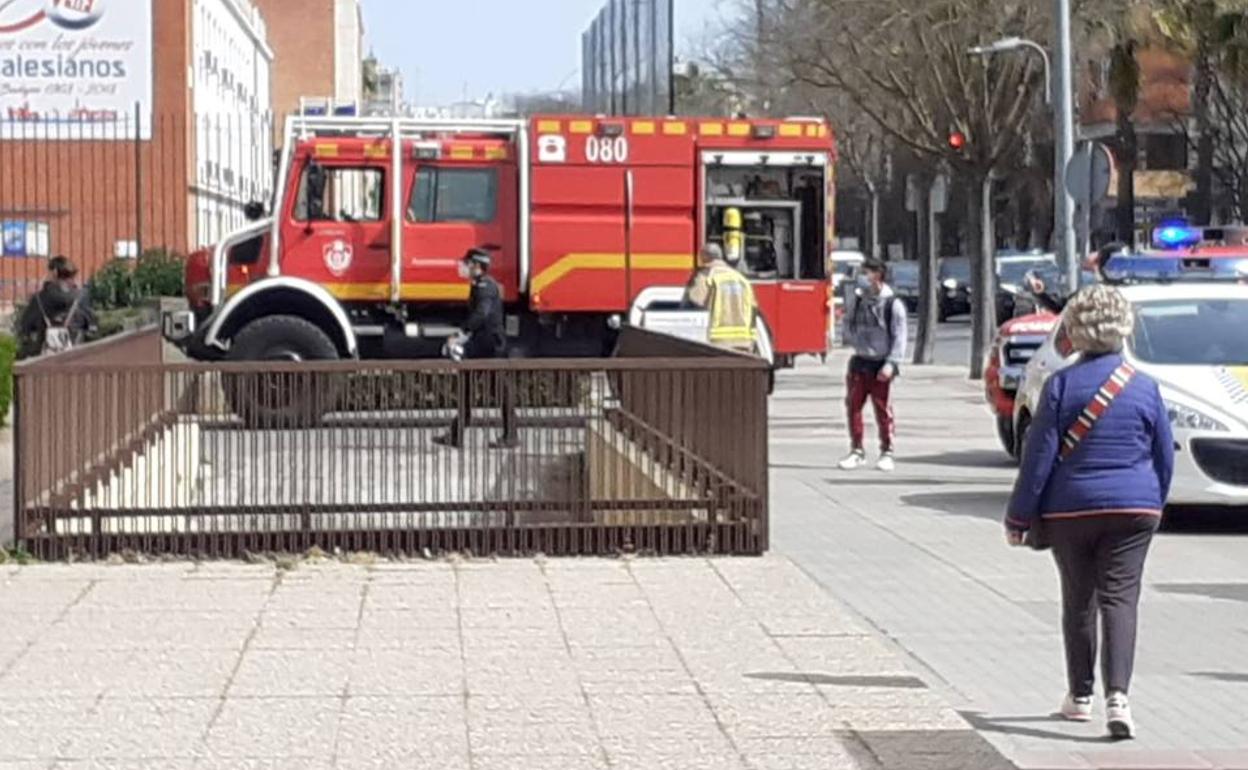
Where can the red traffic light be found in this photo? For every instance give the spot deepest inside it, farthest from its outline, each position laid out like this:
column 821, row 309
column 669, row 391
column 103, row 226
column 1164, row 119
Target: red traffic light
column 957, row 140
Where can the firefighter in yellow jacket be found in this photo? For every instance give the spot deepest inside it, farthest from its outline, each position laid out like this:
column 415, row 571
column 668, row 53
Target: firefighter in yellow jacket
column 728, row 298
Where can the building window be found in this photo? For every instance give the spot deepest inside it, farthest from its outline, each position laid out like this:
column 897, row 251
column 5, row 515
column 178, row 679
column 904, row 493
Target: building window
column 1165, row 152
column 454, row 195
column 24, row 238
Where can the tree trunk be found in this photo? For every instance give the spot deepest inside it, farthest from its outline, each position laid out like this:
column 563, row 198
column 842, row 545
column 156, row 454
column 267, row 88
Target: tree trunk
column 983, row 277
column 875, row 222
column 1202, row 202
column 929, row 251
column 1128, row 155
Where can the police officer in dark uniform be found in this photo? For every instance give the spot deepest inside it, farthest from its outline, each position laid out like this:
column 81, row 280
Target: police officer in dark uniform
column 484, row 336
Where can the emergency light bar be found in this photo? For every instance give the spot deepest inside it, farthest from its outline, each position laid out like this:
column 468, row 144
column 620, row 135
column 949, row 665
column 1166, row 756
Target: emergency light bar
column 1174, row 237
column 1166, row 269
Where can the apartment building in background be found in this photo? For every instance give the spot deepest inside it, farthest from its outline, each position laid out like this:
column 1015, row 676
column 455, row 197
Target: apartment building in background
column 159, row 144
column 1164, row 164
column 232, row 104
column 319, row 49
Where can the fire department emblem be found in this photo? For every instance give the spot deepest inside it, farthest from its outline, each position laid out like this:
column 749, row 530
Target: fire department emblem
column 1235, row 380
column 338, row 255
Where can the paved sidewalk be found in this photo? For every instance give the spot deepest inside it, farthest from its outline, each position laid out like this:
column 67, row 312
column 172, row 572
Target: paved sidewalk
column 647, row 664
column 921, row 555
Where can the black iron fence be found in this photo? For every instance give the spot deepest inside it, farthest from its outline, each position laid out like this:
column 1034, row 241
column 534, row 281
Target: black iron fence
column 658, row 454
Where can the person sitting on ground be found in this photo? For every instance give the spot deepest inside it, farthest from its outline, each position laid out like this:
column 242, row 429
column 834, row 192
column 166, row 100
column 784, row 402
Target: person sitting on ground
column 58, row 316
column 1093, row 480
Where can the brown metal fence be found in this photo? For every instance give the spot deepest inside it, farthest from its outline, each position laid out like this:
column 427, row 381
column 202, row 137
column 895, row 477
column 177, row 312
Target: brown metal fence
column 646, row 454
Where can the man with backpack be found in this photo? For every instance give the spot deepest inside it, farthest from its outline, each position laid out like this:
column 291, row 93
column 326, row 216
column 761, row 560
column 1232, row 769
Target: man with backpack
column 875, row 328
column 58, row 316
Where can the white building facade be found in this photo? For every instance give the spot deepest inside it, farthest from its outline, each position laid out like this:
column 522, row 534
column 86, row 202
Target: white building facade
column 232, row 108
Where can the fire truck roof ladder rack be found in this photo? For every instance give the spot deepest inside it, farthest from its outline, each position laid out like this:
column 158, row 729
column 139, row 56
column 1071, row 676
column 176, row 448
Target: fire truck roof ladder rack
column 311, row 127
column 306, row 127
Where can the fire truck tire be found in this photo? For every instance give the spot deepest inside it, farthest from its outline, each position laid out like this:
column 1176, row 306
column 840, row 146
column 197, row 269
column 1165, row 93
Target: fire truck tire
column 282, row 401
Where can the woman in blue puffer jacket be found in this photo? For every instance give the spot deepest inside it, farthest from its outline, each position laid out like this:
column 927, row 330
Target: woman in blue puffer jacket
column 1095, row 474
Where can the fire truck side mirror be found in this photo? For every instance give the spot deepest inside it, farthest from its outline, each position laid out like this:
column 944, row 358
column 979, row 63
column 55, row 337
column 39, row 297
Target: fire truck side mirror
column 253, row 211
column 316, row 191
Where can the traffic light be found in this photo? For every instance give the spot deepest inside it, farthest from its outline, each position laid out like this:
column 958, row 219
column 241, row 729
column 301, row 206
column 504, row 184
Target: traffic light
column 957, row 141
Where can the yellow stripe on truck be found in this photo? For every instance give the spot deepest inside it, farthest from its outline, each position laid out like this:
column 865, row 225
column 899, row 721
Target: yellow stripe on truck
column 412, row 292
column 604, row 261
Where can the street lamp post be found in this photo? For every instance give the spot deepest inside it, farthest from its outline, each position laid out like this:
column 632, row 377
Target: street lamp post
column 1058, row 94
column 1007, row 44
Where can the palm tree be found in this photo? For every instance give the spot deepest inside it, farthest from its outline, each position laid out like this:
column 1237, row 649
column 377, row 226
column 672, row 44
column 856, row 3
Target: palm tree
column 1209, row 33
column 1124, row 87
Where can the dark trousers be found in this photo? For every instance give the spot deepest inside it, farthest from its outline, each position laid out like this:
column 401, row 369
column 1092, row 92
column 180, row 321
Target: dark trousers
column 500, row 390
column 864, row 384
column 1101, row 563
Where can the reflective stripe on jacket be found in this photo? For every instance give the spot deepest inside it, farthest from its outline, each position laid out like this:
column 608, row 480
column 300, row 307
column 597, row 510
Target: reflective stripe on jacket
column 732, row 307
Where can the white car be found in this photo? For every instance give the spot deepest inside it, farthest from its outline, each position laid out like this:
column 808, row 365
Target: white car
column 1190, row 338
column 844, row 265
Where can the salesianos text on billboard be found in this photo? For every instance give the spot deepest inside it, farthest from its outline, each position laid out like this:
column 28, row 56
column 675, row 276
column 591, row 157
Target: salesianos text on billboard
column 75, row 69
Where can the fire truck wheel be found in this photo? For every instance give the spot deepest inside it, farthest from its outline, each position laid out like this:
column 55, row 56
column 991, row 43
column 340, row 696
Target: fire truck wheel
column 280, row 400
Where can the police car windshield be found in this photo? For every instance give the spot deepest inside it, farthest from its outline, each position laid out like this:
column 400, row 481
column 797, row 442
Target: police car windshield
column 1194, row 332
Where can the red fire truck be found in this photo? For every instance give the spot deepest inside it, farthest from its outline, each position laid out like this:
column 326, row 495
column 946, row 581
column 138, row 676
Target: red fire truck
column 591, row 220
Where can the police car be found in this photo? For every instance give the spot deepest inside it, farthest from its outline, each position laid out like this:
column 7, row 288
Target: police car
column 1191, row 312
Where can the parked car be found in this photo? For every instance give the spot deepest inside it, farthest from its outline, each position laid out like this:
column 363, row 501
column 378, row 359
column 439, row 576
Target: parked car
column 904, row 278
column 954, row 275
column 1012, row 349
column 1012, row 297
column 1189, row 338
column 844, row 263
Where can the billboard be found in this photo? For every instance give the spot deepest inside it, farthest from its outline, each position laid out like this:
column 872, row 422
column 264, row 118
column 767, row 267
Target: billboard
column 75, row 69
column 626, row 59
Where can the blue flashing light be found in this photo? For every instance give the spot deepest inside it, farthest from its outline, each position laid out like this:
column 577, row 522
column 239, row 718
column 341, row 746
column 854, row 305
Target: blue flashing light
column 1177, row 236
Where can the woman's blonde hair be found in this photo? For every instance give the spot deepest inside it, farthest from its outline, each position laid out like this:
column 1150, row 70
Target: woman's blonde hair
column 1098, row 320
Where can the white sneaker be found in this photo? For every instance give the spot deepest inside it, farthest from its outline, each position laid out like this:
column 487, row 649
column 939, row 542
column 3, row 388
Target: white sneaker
column 886, row 463
column 1077, row 709
column 1118, row 717
column 853, row 461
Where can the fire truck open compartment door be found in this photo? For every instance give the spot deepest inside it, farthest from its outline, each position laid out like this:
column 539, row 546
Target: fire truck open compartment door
column 778, row 201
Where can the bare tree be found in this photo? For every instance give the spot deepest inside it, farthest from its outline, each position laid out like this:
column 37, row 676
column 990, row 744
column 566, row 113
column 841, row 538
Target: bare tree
column 904, row 64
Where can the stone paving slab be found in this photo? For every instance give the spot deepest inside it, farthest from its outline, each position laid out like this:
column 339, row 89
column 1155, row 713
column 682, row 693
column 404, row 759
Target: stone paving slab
column 597, row 664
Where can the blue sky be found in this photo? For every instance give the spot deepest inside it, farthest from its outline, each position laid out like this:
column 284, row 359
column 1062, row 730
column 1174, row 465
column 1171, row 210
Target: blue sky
column 497, row 46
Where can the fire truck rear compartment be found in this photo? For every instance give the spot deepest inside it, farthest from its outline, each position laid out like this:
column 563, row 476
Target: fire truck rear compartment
column 782, row 215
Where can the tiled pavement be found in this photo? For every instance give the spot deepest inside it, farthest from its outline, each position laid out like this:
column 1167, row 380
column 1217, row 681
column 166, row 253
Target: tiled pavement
column 647, row 664
column 920, row 555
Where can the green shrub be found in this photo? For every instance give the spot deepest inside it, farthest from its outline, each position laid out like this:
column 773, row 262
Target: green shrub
column 122, row 283
column 112, row 286
column 158, row 273
column 8, row 354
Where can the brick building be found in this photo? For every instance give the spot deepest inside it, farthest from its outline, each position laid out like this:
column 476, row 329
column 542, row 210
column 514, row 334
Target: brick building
column 106, row 151
column 319, row 49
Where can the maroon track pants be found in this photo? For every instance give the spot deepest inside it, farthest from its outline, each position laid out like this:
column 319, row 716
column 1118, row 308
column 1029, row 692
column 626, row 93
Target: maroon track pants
column 863, row 384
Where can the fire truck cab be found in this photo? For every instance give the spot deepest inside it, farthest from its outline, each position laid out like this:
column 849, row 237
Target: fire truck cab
column 592, row 221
